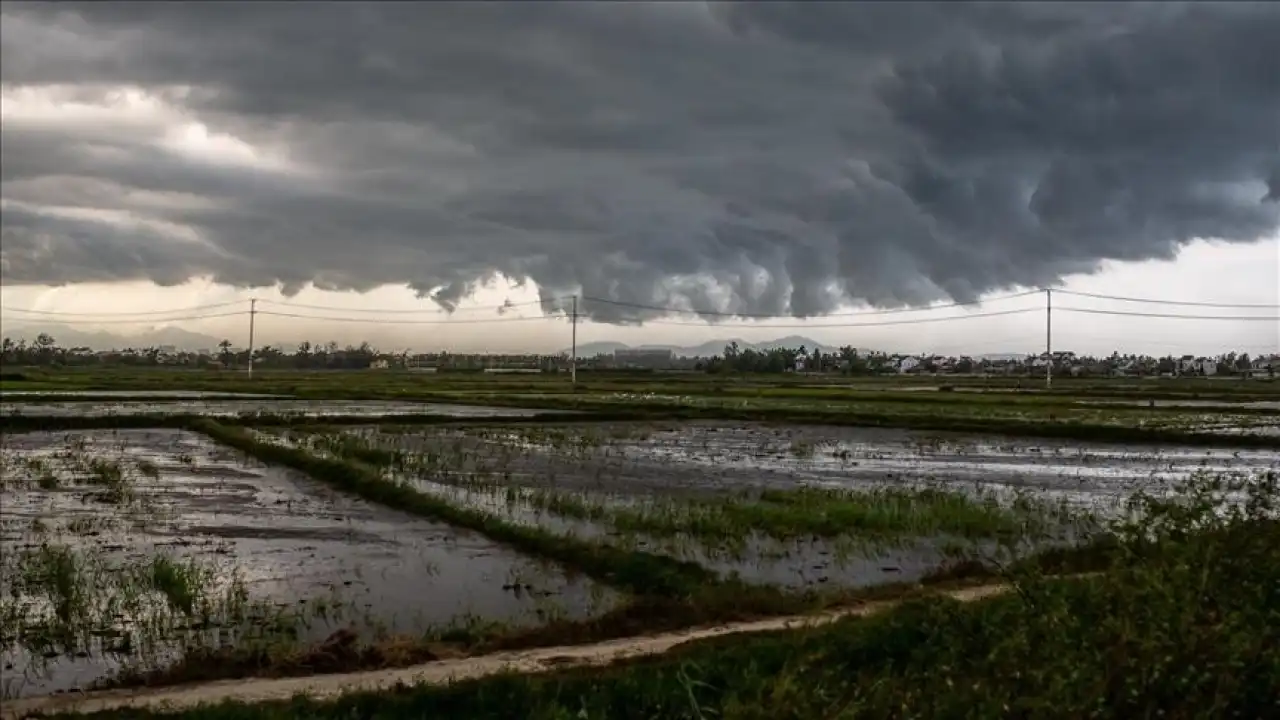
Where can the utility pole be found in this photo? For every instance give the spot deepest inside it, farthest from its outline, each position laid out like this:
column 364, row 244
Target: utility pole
column 573, row 361
column 253, row 315
column 1048, row 338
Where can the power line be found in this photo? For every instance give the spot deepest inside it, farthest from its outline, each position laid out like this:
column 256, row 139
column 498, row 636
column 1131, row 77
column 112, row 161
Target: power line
column 380, row 321
column 139, row 321
column 1185, row 303
column 1272, row 318
column 718, row 313
column 913, row 321
column 140, row 314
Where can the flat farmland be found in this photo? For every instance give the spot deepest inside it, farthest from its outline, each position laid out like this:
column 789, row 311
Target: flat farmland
column 798, row 507
column 235, row 407
column 161, row 535
column 125, row 549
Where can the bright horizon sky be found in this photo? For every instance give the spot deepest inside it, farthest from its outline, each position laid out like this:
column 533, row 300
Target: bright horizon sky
column 1251, row 270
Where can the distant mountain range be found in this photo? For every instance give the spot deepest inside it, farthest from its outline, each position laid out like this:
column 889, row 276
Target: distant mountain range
column 69, row 337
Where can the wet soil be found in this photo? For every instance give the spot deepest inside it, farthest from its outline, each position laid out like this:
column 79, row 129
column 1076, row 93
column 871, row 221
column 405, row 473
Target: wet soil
column 706, row 458
column 291, row 538
column 500, row 469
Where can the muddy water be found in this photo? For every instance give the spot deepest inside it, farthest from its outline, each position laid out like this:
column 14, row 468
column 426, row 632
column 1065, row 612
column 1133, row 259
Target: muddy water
column 223, row 408
column 706, row 458
column 498, row 469
column 477, row 476
column 291, row 538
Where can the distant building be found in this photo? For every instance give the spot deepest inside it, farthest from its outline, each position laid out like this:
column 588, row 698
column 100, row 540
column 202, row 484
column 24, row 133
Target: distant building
column 1265, row 366
column 650, row 358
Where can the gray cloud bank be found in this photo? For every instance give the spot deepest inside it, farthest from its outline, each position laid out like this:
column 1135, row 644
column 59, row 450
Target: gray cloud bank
column 753, row 157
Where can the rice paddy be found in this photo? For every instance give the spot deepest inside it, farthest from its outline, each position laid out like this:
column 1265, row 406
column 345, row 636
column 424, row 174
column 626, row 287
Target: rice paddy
column 125, row 550
column 310, row 535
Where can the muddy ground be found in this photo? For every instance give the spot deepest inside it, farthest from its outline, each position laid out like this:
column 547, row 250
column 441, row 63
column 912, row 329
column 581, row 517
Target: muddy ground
column 293, row 540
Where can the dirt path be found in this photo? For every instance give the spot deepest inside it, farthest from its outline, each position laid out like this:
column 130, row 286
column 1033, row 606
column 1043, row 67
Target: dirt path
column 525, row 661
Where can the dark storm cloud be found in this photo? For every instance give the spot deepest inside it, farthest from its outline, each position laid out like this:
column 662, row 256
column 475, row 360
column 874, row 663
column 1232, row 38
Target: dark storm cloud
column 754, row 157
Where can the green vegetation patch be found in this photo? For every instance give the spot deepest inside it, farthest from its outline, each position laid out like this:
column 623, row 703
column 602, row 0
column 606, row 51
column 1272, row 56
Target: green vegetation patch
column 874, row 514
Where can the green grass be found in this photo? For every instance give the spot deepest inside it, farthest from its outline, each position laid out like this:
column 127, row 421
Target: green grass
column 857, row 520
column 182, row 584
column 878, row 514
column 1184, row 622
column 1070, row 411
column 1107, row 429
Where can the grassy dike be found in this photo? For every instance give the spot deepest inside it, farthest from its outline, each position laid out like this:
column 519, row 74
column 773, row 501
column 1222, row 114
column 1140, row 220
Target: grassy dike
column 1183, row 622
column 1040, row 422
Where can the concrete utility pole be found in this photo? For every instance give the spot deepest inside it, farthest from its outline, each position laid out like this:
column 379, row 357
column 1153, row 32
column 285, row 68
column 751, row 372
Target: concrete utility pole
column 1048, row 338
column 253, row 315
column 573, row 361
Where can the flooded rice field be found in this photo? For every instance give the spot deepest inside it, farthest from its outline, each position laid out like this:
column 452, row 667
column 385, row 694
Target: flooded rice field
column 797, row 507
column 702, row 458
column 123, row 549
column 232, row 408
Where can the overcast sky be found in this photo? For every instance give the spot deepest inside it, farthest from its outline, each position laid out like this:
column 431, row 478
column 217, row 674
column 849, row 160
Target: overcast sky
column 755, row 158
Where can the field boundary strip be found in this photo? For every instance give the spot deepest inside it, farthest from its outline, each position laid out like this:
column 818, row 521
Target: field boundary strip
column 588, row 413
column 440, row 672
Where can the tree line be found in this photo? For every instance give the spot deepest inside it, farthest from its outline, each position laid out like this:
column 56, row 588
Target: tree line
column 45, row 351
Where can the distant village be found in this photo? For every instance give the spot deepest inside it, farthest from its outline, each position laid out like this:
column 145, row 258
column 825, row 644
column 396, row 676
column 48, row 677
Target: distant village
column 44, row 350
